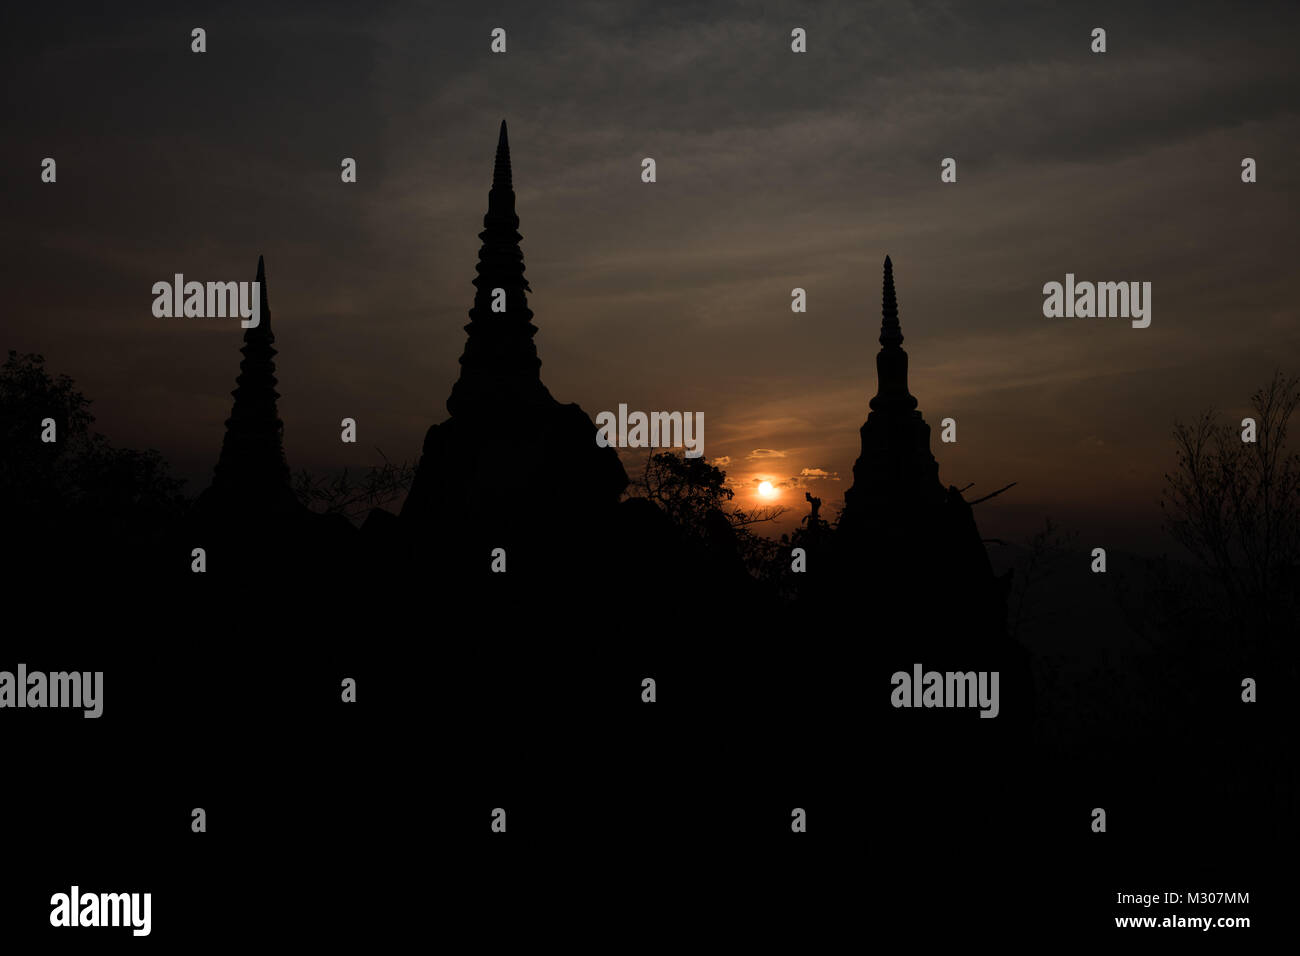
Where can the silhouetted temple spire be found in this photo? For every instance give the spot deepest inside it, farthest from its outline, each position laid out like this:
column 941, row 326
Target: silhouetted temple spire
column 499, row 367
column 508, row 443
column 252, row 452
column 901, row 532
column 895, row 468
column 891, row 361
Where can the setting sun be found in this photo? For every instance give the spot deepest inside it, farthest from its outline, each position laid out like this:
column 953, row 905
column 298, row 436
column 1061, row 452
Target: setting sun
column 766, row 490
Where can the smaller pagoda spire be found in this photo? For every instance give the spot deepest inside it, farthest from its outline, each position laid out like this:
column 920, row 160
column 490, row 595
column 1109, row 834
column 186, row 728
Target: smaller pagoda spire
column 252, row 452
column 891, row 360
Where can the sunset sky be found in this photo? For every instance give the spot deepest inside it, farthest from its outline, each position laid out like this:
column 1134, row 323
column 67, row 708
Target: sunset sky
column 775, row 170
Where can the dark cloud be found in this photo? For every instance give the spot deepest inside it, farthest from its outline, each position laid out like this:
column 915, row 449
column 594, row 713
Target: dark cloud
column 776, row 170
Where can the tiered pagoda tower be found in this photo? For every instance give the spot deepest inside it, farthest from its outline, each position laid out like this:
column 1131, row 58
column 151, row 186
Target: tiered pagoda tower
column 511, row 463
column 252, row 473
column 901, row 531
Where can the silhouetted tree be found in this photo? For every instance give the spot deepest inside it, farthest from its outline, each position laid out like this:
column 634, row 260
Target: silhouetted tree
column 1047, row 549
column 354, row 498
column 1235, row 505
column 689, row 488
column 690, row 491
column 81, row 470
column 78, row 487
column 32, row 471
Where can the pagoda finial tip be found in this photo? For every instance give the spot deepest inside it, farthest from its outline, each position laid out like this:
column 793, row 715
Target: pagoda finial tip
column 501, row 170
column 891, row 335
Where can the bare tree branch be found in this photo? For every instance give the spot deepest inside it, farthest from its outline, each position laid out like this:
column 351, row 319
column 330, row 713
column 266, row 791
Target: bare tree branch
column 995, row 493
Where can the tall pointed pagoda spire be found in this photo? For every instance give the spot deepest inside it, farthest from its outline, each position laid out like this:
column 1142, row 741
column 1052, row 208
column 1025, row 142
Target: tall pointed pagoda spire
column 896, row 466
column 499, row 367
column 252, row 453
column 891, row 360
column 507, row 441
